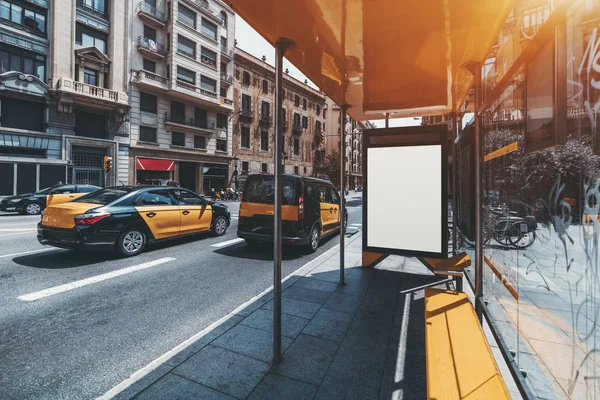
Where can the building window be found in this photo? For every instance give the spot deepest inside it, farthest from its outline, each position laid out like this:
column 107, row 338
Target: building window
column 304, row 104
column 296, row 120
column 148, row 103
column 31, row 21
column 223, row 17
column 265, row 111
column 147, row 134
column 304, row 122
column 149, row 33
column 208, row 57
column 208, row 84
column 86, row 37
column 178, row 139
column 209, row 29
column 186, row 16
column 177, row 112
column 297, row 101
column 246, row 103
column 264, row 141
column 90, row 77
column 222, row 145
column 246, row 78
column 296, row 146
column 318, row 109
column 296, row 170
column 245, row 166
column 222, row 121
column 96, row 5
column 324, row 113
column 283, row 94
column 199, row 142
column 186, row 75
column 186, row 47
column 265, row 86
column 264, row 167
column 245, row 137
column 149, row 66
column 14, row 59
column 223, row 92
column 304, row 170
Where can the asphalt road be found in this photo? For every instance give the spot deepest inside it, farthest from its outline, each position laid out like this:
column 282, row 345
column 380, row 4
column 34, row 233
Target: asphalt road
column 80, row 343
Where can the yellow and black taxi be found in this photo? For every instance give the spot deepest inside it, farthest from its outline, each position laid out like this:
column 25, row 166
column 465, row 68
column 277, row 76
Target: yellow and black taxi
column 124, row 219
column 310, row 210
column 34, row 203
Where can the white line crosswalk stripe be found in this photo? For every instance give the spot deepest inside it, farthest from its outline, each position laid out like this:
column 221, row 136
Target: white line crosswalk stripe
column 91, row 280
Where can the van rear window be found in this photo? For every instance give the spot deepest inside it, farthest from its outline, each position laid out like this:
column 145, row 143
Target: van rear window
column 261, row 189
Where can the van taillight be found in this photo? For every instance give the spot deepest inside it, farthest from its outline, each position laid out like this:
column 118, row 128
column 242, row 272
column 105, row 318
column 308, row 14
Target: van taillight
column 301, row 208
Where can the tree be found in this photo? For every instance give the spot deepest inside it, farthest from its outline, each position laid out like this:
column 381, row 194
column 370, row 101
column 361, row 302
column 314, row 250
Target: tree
column 331, row 167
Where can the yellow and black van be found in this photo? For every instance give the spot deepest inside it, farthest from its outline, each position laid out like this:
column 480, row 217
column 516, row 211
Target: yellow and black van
column 310, row 210
column 125, row 218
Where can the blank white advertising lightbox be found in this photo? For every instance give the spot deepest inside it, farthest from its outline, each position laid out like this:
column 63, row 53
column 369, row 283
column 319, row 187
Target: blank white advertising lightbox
column 404, row 198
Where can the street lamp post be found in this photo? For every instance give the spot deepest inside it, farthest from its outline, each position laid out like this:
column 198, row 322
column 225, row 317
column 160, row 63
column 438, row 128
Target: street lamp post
column 235, row 171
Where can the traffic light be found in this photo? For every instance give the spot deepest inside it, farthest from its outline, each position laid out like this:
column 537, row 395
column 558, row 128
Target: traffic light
column 107, row 163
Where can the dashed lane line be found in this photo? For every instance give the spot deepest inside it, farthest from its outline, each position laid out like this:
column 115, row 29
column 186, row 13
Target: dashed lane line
column 228, row 243
column 27, row 252
column 91, row 280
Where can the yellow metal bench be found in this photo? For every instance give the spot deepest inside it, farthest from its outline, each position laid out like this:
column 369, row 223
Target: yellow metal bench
column 460, row 363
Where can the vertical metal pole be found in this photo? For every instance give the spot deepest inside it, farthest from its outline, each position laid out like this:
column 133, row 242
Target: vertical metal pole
column 454, row 163
column 387, row 120
column 478, row 220
column 281, row 47
column 344, row 109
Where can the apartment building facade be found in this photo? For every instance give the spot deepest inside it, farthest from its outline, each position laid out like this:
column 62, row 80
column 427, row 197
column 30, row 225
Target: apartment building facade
column 181, row 92
column 253, row 118
column 63, row 79
column 353, row 137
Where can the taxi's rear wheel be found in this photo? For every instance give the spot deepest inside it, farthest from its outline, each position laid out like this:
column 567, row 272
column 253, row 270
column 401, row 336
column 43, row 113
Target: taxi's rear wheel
column 315, row 237
column 130, row 243
column 220, row 226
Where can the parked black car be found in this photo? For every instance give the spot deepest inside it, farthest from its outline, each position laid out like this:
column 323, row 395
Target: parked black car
column 35, row 203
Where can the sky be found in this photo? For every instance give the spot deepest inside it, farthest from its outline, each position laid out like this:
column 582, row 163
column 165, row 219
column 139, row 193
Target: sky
column 250, row 41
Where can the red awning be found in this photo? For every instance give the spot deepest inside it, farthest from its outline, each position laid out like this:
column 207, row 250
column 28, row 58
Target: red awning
column 150, row 164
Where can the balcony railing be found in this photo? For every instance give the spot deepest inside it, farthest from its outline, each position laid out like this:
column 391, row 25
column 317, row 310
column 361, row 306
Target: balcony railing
column 42, row 3
column 204, row 5
column 184, row 19
column 151, row 45
column 88, row 5
column 265, row 119
column 226, row 52
column 195, row 89
column 95, row 91
column 147, row 75
column 297, row 127
column 246, row 113
column 189, row 121
column 227, row 101
column 147, row 9
column 227, row 78
column 208, row 61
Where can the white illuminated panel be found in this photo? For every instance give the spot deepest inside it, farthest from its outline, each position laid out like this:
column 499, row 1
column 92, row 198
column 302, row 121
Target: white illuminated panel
column 404, row 198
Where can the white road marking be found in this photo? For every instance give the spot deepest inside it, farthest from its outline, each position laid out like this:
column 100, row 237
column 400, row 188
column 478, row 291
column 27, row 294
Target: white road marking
column 27, row 252
column 17, row 233
column 357, row 225
column 228, row 243
column 91, row 280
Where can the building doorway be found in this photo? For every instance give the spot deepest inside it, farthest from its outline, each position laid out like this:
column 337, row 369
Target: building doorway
column 188, row 175
column 88, row 165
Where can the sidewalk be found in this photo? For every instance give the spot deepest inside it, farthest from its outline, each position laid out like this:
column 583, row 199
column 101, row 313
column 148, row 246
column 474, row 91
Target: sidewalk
column 362, row 340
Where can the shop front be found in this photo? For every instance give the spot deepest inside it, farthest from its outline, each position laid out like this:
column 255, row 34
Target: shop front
column 154, row 171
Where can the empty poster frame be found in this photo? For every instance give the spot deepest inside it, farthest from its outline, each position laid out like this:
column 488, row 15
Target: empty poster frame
column 405, row 198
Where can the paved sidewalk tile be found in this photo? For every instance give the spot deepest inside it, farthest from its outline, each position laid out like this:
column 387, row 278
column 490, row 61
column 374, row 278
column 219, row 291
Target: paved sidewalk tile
column 315, row 284
column 361, row 361
column 224, row 370
column 329, row 324
column 355, row 287
column 291, row 326
column 251, row 342
column 298, row 308
column 175, row 387
column 343, row 302
column 339, row 388
column 277, row 387
column 307, row 359
column 372, row 327
column 304, row 294
column 380, row 303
